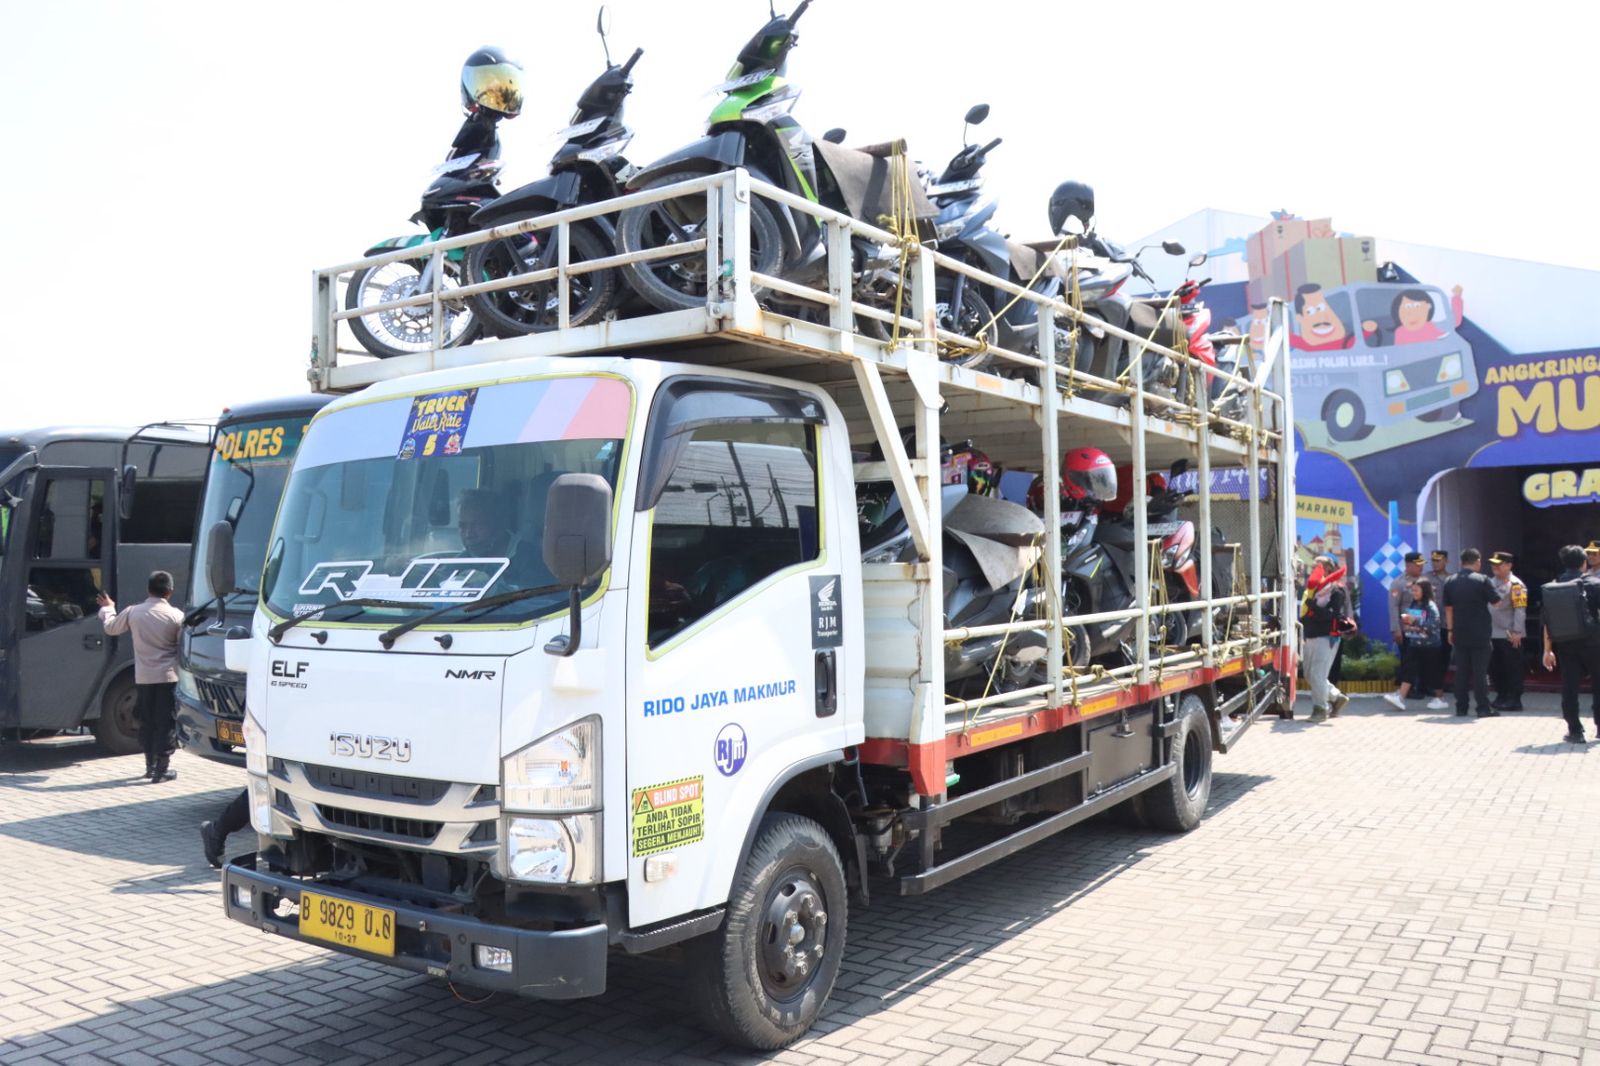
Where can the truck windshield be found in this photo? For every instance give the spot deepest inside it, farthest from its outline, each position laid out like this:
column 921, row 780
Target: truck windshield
column 249, row 464
column 438, row 497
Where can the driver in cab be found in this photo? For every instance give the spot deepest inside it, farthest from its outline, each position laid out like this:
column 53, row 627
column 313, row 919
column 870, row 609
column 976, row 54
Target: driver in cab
column 485, row 530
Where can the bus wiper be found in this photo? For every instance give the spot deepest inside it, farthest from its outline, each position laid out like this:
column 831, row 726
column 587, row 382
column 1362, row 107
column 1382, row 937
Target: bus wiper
column 276, row 632
column 389, row 636
column 199, row 612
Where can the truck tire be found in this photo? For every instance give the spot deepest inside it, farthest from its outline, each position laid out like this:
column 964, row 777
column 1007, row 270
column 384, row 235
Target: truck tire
column 1178, row 803
column 117, row 728
column 762, row 979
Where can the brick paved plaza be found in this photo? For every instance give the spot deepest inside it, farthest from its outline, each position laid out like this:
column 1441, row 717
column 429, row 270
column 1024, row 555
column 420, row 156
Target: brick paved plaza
column 1391, row 887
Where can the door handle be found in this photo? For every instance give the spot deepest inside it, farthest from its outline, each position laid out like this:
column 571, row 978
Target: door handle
column 827, row 684
column 92, row 642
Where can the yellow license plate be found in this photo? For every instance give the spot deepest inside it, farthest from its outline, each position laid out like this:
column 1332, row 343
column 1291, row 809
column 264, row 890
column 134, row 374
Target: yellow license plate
column 351, row 925
column 230, row 733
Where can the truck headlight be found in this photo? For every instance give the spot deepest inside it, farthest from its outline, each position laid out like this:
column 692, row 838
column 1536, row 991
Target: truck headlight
column 559, row 772
column 187, row 687
column 255, row 746
column 260, row 803
column 1449, row 368
column 553, row 850
column 1395, row 381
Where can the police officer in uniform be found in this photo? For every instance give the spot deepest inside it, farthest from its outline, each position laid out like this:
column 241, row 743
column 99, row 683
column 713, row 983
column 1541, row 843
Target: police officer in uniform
column 1577, row 657
column 1399, row 600
column 1591, row 558
column 1508, row 620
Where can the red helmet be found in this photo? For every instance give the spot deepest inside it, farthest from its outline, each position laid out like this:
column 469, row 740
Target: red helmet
column 1088, row 474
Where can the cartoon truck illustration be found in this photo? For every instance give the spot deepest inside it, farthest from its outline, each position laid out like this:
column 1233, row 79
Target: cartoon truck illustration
column 1374, row 353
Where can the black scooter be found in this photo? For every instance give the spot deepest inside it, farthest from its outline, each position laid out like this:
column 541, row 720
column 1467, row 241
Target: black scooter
column 588, row 168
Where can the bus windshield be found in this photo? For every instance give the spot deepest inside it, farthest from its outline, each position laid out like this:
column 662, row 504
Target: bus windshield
column 438, row 498
column 249, row 465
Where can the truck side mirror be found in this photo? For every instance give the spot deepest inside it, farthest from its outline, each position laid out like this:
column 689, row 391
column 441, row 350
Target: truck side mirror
column 219, row 560
column 577, row 543
column 125, row 485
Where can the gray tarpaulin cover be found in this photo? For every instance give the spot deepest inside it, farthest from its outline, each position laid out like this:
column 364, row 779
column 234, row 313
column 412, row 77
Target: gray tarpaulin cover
column 1001, row 535
column 865, row 183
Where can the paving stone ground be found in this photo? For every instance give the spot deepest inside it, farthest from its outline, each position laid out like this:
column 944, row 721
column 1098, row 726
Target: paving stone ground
column 1391, row 887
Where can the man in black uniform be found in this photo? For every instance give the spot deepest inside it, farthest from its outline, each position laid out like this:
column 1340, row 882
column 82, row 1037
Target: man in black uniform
column 1467, row 599
column 1576, row 657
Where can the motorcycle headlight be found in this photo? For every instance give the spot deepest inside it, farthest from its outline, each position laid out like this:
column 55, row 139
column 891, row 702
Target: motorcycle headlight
column 186, row 685
column 553, row 850
column 1449, row 368
column 255, row 747
column 560, row 772
column 1395, row 381
column 1169, row 557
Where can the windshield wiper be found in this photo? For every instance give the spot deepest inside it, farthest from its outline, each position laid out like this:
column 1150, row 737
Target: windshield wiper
column 389, row 636
column 276, row 632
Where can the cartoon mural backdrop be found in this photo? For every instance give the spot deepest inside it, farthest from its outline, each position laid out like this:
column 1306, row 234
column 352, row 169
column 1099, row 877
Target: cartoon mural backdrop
column 1393, row 384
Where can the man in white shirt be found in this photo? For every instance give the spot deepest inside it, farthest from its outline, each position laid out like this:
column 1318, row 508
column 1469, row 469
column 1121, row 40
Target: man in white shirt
column 155, row 625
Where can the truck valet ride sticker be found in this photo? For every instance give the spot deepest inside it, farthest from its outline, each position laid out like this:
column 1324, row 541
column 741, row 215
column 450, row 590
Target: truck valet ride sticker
column 438, row 423
column 665, row 816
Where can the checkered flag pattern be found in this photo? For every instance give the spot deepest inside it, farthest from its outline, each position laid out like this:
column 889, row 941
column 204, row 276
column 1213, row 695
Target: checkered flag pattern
column 1388, row 562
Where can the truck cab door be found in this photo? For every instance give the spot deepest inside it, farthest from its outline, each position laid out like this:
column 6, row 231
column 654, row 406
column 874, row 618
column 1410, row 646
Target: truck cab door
column 62, row 652
column 738, row 644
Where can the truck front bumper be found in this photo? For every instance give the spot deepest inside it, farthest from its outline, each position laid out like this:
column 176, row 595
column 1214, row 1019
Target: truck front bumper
column 545, row 964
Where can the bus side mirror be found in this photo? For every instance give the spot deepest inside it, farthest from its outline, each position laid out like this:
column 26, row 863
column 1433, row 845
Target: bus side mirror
column 125, row 485
column 236, row 650
column 219, row 560
column 577, row 544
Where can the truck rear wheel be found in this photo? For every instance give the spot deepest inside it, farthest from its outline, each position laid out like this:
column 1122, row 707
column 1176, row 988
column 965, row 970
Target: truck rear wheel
column 1178, row 803
column 762, row 979
column 117, row 728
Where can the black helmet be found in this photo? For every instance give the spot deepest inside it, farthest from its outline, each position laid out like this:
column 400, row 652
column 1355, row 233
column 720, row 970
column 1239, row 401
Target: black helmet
column 491, row 81
column 1072, row 199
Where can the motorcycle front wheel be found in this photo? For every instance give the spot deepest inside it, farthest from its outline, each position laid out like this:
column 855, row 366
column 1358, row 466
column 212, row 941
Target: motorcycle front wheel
column 971, row 317
column 674, row 284
column 535, row 308
column 405, row 330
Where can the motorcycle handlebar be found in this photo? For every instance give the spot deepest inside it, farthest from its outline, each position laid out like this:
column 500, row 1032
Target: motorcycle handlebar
column 801, row 10
column 637, row 52
column 986, row 149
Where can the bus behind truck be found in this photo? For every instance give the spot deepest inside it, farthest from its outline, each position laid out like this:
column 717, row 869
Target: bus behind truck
column 569, row 648
column 252, row 449
column 84, row 509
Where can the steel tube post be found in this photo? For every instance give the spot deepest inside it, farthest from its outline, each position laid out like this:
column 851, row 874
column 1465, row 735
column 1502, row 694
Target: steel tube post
column 1287, row 503
column 1141, row 520
column 735, row 193
column 1207, row 591
column 1253, row 494
column 324, row 331
column 928, row 725
column 563, row 260
column 436, row 306
column 1050, row 431
column 841, row 279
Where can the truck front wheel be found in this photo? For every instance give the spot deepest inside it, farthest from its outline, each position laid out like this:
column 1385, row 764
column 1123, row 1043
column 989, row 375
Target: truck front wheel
column 762, row 979
column 1178, row 803
column 117, row 728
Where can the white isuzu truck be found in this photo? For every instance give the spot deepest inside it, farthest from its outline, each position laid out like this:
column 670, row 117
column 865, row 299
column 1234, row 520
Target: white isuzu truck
column 566, row 644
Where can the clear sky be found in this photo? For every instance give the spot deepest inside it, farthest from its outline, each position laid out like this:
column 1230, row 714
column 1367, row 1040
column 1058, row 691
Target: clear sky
column 174, row 171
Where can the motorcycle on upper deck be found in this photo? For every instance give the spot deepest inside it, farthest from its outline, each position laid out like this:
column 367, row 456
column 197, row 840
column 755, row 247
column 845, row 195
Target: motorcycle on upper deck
column 588, row 168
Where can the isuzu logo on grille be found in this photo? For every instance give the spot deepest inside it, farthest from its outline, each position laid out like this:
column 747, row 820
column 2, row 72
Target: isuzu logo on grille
column 366, row 746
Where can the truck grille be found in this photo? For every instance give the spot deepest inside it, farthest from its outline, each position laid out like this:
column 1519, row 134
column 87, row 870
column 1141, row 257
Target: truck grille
column 411, row 830
column 377, row 786
column 224, row 701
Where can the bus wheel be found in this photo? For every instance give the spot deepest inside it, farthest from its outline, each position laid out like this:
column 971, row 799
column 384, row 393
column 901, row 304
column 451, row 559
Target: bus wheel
column 117, row 728
column 762, row 979
column 1178, row 803
column 1345, row 416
